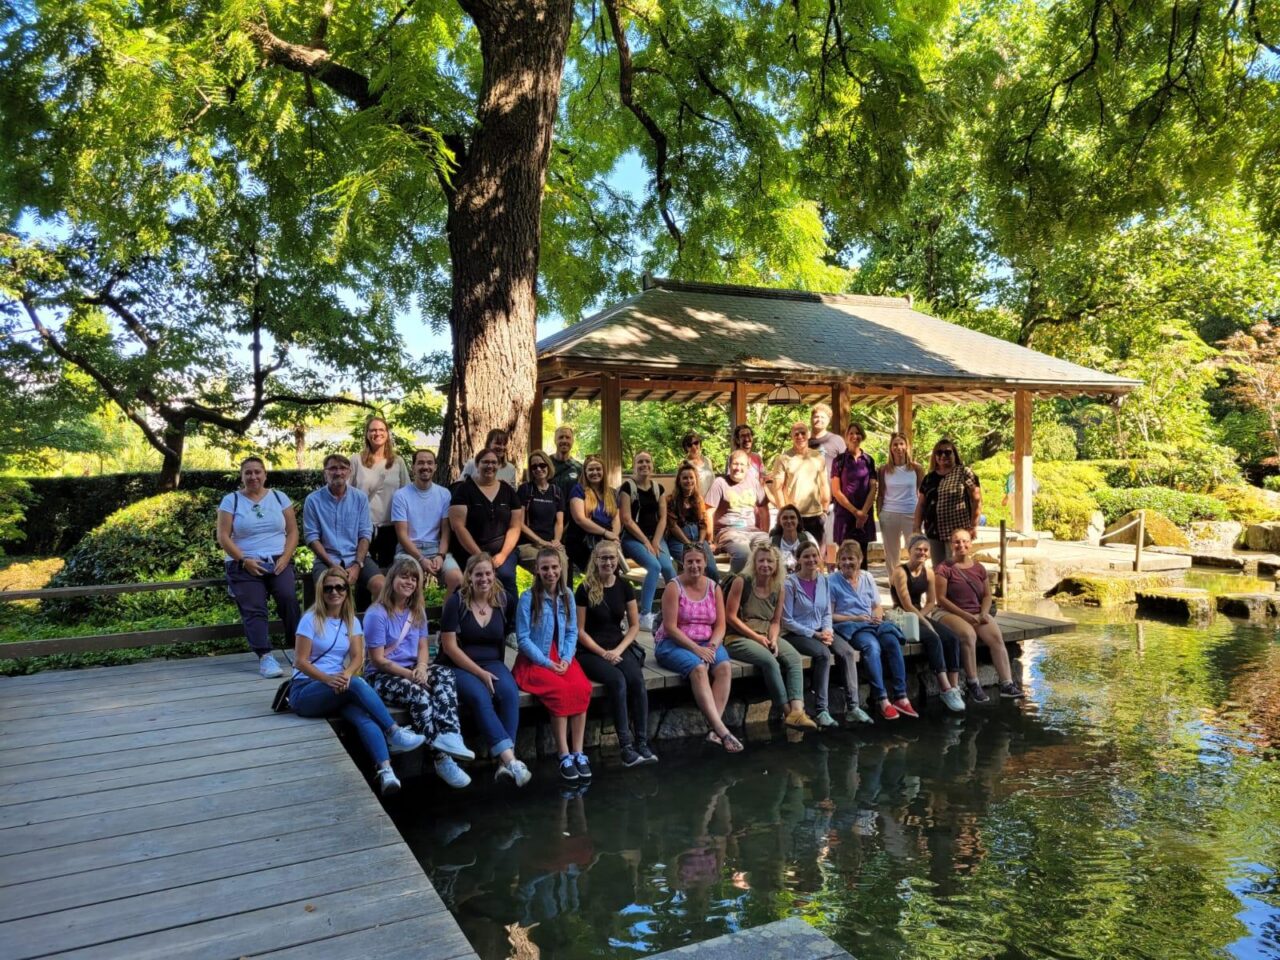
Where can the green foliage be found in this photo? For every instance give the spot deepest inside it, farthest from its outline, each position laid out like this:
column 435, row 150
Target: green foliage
column 19, row 666
column 15, row 497
column 1248, row 504
column 1271, row 483
column 1067, row 518
column 1179, row 507
column 165, row 537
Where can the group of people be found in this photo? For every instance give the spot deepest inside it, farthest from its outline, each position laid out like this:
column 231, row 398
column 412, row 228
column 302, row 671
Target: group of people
column 775, row 605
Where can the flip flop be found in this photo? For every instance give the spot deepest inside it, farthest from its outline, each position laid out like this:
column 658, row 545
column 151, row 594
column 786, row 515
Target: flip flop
column 731, row 744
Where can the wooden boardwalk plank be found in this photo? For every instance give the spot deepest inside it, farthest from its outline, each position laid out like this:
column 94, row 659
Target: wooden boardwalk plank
column 200, row 834
column 274, row 928
column 405, row 940
column 194, row 903
column 45, row 897
column 88, row 701
column 175, row 708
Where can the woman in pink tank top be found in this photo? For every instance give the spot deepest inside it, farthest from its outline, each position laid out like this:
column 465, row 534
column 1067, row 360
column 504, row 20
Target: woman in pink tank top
column 690, row 641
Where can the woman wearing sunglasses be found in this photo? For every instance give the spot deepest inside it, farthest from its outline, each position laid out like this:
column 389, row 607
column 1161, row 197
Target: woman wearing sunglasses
column 950, row 500
column 543, row 521
column 328, row 656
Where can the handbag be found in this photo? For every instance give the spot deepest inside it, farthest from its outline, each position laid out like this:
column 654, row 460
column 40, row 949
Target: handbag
column 906, row 622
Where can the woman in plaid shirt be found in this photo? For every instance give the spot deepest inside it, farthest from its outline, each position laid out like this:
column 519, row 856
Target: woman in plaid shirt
column 950, row 500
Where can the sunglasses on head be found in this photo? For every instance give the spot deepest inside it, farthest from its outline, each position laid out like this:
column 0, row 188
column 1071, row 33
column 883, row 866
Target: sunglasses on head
column 335, row 588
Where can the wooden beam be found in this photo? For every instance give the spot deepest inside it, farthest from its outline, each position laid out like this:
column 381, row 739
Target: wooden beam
column 841, row 398
column 738, row 412
column 906, row 414
column 611, row 427
column 535, row 422
column 1022, row 515
column 108, row 589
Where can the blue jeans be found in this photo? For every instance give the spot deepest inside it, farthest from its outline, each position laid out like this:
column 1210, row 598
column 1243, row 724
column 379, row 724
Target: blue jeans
column 881, row 648
column 358, row 705
column 676, row 549
column 633, row 549
column 498, row 715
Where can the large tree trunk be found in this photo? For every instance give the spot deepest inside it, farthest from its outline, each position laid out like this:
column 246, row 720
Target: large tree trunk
column 495, row 224
column 175, row 438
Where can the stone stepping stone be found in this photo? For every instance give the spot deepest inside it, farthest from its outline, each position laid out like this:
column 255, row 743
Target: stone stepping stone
column 1250, row 606
column 1186, row 604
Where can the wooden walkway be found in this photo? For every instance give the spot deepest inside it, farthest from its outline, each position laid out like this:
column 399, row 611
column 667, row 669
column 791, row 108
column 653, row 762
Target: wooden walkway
column 162, row 810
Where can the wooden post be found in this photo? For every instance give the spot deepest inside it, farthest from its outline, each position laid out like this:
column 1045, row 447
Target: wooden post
column 840, row 399
column 1138, row 542
column 535, row 422
column 738, row 413
column 906, row 415
column 1022, row 514
column 611, row 427
column 1004, row 563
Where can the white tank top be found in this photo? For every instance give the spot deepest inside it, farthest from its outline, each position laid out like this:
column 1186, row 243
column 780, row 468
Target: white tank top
column 900, row 490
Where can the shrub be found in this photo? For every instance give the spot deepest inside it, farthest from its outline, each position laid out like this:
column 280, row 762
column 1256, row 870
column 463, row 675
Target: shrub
column 1271, row 483
column 1067, row 518
column 69, row 507
column 1194, row 468
column 1179, row 507
column 166, row 537
column 15, row 495
column 1249, row 504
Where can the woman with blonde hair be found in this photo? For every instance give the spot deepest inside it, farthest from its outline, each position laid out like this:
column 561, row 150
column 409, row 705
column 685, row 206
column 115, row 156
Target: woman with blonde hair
column 896, row 496
column 378, row 472
column 593, row 507
column 328, row 654
column 395, row 634
column 608, row 622
column 473, row 628
column 753, row 611
column 547, row 632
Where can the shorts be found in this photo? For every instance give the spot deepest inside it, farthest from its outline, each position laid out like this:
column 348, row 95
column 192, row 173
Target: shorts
column 368, row 571
column 683, row 661
column 428, row 550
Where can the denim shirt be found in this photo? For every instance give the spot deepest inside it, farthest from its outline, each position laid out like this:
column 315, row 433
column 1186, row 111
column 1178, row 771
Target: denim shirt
column 535, row 639
column 802, row 615
column 339, row 525
column 858, row 601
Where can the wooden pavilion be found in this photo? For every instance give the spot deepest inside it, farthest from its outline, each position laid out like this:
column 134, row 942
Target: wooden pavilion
column 711, row 343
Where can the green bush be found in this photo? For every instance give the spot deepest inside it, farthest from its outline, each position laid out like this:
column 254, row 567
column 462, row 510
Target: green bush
column 1194, row 468
column 1066, row 517
column 15, row 495
column 1271, row 483
column 1248, row 504
column 166, row 537
column 1179, row 507
column 69, row 507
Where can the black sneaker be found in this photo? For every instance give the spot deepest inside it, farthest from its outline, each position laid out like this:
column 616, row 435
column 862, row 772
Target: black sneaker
column 646, row 754
column 584, row 768
column 1011, row 691
column 973, row 690
column 568, row 769
column 630, row 756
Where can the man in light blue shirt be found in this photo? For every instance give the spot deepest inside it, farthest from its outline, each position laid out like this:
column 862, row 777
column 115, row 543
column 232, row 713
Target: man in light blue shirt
column 420, row 513
column 337, row 527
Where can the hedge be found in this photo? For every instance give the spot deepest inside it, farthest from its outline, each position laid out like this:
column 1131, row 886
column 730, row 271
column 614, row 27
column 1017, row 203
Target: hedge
column 62, row 510
column 1181, row 508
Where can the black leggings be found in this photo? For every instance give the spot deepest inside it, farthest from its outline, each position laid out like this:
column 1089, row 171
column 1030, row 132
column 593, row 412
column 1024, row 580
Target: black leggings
column 624, row 682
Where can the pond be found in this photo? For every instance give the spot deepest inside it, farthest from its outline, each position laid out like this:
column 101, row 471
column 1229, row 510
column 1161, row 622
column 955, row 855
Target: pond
column 1130, row 808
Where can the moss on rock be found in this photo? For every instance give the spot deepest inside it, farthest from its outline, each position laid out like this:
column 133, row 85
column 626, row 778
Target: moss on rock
column 1160, row 531
column 1105, row 590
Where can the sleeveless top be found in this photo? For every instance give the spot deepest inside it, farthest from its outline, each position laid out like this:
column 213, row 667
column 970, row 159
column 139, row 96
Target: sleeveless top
column 756, row 611
column 697, row 618
column 916, row 587
column 900, row 490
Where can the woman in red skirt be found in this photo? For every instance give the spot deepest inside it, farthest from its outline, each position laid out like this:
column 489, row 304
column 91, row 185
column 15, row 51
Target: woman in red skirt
column 547, row 628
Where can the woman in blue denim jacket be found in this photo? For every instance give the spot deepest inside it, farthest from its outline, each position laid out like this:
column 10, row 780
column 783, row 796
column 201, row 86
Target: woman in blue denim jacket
column 547, row 631
column 806, row 624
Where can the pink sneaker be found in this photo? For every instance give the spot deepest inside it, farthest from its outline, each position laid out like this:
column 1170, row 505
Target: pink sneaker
column 905, row 708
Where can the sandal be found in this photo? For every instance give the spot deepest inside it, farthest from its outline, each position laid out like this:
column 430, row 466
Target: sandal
column 714, row 738
column 731, row 744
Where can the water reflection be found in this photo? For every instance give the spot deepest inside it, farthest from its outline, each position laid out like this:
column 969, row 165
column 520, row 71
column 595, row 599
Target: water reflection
column 1132, row 809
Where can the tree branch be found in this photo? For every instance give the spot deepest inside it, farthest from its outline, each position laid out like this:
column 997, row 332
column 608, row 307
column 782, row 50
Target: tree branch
column 656, row 134
column 126, row 315
column 313, row 62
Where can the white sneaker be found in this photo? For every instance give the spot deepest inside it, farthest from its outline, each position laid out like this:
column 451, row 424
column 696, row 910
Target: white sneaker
column 646, row 622
column 388, row 782
column 516, row 770
column 452, row 744
column 448, row 770
column 269, row 667
column 954, row 700
column 404, row 740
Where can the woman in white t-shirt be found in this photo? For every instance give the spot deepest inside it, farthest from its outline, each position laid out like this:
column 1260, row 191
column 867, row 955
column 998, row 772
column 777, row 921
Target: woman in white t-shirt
column 328, row 657
column 378, row 472
column 258, row 532
column 896, row 498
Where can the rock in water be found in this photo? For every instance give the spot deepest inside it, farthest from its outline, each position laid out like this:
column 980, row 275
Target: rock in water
column 1160, row 531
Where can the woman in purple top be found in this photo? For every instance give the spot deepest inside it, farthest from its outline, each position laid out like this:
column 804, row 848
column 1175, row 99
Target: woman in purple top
column 853, row 485
column 964, row 608
column 395, row 634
